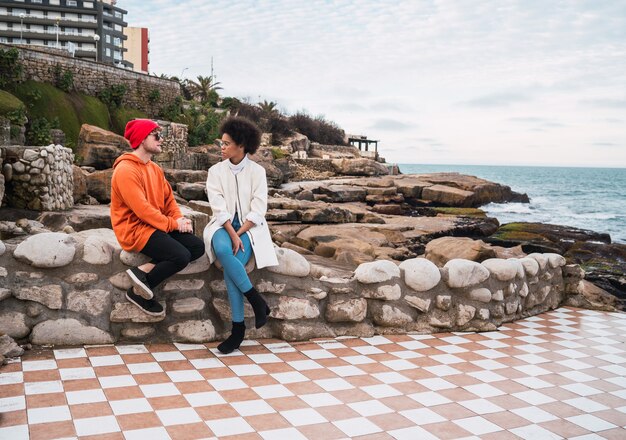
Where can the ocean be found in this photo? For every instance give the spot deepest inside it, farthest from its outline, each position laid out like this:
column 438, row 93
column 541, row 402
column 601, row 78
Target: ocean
column 586, row 198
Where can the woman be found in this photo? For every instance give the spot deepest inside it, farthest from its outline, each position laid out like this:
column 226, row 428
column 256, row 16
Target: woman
column 237, row 191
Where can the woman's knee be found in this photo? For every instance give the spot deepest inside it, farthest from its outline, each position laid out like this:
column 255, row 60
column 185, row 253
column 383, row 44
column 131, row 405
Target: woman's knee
column 182, row 258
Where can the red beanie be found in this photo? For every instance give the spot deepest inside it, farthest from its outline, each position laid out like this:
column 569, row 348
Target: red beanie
column 139, row 129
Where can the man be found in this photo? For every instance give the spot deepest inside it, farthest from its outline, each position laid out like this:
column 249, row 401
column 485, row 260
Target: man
column 146, row 218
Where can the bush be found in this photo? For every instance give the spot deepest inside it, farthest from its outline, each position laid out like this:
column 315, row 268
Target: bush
column 10, row 68
column 154, row 96
column 38, row 132
column 317, row 129
column 63, row 79
column 277, row 153
column 207, row 128
column 9, row 103
column 113, row 96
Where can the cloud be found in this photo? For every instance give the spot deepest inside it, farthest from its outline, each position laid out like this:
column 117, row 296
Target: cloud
column 391, row 125
column 501, row 99
column 605, row 102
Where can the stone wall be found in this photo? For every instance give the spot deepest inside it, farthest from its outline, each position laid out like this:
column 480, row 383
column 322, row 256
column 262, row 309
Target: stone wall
column 174, row 146
column 69, row 289
column 91, row 77
column 39, row 178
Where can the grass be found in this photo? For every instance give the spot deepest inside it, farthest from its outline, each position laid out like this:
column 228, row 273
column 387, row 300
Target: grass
column 9, row 103
column 120, row 116
column 91, row 111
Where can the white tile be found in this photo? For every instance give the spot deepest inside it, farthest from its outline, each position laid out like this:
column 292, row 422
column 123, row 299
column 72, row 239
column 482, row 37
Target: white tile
column 272, row 391
column 200, row 364
column 304, row 416
column 229, row 383
column 19, row 432
column 69, row 353
column 265, row 358
column 391, row 377
column 487, row 376
column 399, row 365
column 235, row 353
column 289, row 377
column 581, row 389
column 357, row 426
column 77, row 373
column 481, row 406
column 496, row 335
column 159, row 433
column 144, row 368
column 357, row 360
column 447, row 359
column 452, row 349
column 96, row 425
column 412, row 433
column 130, row 406
column 367, row 349
column 489, row 364
column 533, row 383
column 442, row 370
column 187, row 347
column 165, row 356
column 422, row 416
column 117, row 381
column 456, row 340
column 11, row 378
column 377, row 340
column 53, row 386
column 429, row 398
column 250, row 343
column 204, row 399
column 612, row 358
column 619, row 381
column 105, row 361
column 85, row 396
column 8, row 404
column 347, row 371
column 436, row 384
column 247, row 370
column 409, row 345
column 280, row 347
column 533, row 397
column 320, row 399
column 532, row 370
column 185, row 376
column 282, row 434
column 615, row 369
column 178, row 416
column 232, row 426
column 406, row 354
column 335, row 384
column 490, row 354
column 159, row 390
column 132, row 349
column 49, row 414
column 477, row 425
column 484, row 390
column 248, row 408
column 370, row 408
column 330, row 345
column 491, row 343
column 49, row 364
column 591, row 423
column 574, row 364
column 572, row 354
column 381, row 391
column 534, row 414
column 532, row 359
column 305, row 365
column 318, row 354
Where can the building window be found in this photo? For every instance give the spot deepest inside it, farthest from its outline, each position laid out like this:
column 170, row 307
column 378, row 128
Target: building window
column 4, row 40
column 35, row 1
column 88, row 5
column 108, row 52
column 18, row 11
column 55, row 2
column 107, row 38
column 117, row 42
column 71, row 3
column 117, row 55
column 118, row 14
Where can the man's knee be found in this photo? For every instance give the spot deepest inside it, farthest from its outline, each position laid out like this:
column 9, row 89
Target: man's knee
column 197, row 250
column 182, row 258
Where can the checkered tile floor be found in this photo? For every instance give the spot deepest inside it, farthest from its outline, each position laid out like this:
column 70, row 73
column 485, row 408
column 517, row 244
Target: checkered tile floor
column 558, row 375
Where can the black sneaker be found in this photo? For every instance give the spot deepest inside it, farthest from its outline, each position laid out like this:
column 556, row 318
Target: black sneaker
column 140, row 281
column 150, row 306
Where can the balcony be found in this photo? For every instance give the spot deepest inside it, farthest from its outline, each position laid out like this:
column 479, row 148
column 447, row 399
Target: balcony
column 40, row 19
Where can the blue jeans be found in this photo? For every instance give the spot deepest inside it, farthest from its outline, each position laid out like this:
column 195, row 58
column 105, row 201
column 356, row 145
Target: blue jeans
column 235, row 276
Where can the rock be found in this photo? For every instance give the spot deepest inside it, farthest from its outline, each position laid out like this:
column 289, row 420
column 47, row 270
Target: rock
column 511, row 307
column 193, row 331
column 498, row 295
column 127, row 312
column 290, row 308
column 80, row 218
column 390, row 316
column 197, row 266
column 344, row 193
column 97, row 251
column 48, row 250
column 444, row 249
column 121, row 280
column 387, row 293
column 188, row 305
column 481, row 294
column 80, row 183
column 50, row 295
column 222, row 306
column 302, row 331
column 555, row 260
column 99, row 185
column 346, row 310
column 421, row 304
column 420, row 274
column 8, row 347
column 4, row 293
column 465, row 314
column 444, row 302
column 448, row 196
column 317, row 294
column 541, row 259
column 139, row 332
column 201, row 206
column 133, row 259
column 290, row 263
column 464, row 273
column 14, row 324
column 191, row 191
column 512, row 252
column 175, row 176
column 503, row 270
column 3, row 248
column 99, row 148
column 441, row 321
column 83, row 279
column 3, row 272
column 359, row 167
column 531, row 267
column 176, row 286
column 523, row 292
column 91, row 302
column 265, row 286
column 68, row 332
column 377, row 272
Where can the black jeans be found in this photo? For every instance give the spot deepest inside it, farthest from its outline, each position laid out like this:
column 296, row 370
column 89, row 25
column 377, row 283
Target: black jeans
column 171, row 252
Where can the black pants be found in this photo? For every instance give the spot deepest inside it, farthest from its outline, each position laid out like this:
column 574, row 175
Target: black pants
column 170, row 252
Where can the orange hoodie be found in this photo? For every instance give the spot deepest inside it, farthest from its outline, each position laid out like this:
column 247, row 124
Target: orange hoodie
column 141, row 202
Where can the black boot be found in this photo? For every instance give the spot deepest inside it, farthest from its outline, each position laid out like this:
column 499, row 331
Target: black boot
column 234, row 340
column 261, row 310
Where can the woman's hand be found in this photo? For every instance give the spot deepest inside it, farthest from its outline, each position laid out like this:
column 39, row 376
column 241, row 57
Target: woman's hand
column 237, row 244
column 184, row 225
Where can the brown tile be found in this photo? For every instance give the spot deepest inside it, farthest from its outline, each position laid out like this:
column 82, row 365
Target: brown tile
column 13, row 418
column 41, row 376
column 287, row 403
column 374, row 368
column 506, row 419
column 452, row 411
column 332, row 362
column 112, row 370
column 320, row 373
column 216, row 373
column 151, row 378
column 159, row 348
column 259, row 380
column 337, row 412
column 193, row 387
column 86, row 410
column 299, row 388
column 101, row 351
column 12, row 368
column 198, row 354
column 458, row 394
column 266, row 422
column 613, row 416
column 462, row 380
column 613, row 434
column 12, row 390
column 391, row 421
column 277, row 367
column 73, row 363
column 45, row 400
column 500, row 435
column 108, row 436
column 239, row 395
column 46, row 431
column 137, row 358
column 236, row 360
column 213, row 412
column 81, row 384
column 446, row 430
column 564, row 428
column 292, row 356
column 352, row 395
column 189, row 432
column 376, row 436
column 362, row 380
column 325, row 431
column 400, row 403
column 176, row 365
column 168, row 402
column 508, row 402
column 511, row 387
column 123, row 393
column 128, row 422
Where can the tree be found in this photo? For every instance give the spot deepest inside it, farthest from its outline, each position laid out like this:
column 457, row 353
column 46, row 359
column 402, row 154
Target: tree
column 268, row 108
column 205, row 89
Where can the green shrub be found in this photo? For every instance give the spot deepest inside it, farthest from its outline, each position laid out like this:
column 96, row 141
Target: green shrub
column 206, row 130
column 154, row 96
column 63, row 79
column 113, row 96
column 277, row 153
column 38, row 132
column 10, row 68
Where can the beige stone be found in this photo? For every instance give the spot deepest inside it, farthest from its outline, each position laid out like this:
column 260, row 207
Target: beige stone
column 390, row 316
column 127, row 312
column 91, row 302
column 139, row 332
column 68, row 332
column 14, row 324
column 290, row 308
column 444, row 249
column 387, row 293
column 465, row 314
column 377, row 272
column 197, row 266
column 531, row 267
column 498, row 295
column 503, row 270
column 464, row 273
column 188, row 305
column 481, row 294
column 444, row 302
column 222, row 306
column 421, row 304
column 82, row 279
column 193, row 331
column 267, row 286
column 420, row 274
column 50, row 295
column 175, row 286
column 349, row 310
column 47, row 250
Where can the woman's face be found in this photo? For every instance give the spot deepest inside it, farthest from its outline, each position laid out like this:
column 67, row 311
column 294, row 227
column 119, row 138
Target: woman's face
column 230, row 150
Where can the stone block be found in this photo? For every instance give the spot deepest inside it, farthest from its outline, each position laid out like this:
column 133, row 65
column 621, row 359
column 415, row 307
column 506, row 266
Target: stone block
column 481, row 294
column 503, row 270
column 14, row 324
column 91, row 302
column 82, row 279
column 193, row 331
column 465, row 314
column 266, row 286
column 50, row 295
column 387, row 293
column 138, row 332
column 68, row 332
column 444, row 302
column 420, row 274
column 46, row 250
column 389, row 316
column 175, row 286
column 222, row 306
column 531, row 267
column 97, row 251
column 127, row 312
column 347, row 310
column 464, row 273
column 421, row 304
column 290, row 308
column 200, row 265
column 290, row 263
column 188, row 305
column 555, row 260
column 377, row 272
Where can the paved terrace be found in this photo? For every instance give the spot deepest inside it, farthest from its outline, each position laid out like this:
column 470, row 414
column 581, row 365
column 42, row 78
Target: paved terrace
column 557, row 375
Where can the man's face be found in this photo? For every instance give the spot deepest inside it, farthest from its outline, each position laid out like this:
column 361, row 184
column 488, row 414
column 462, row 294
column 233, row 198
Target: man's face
column 152, row 144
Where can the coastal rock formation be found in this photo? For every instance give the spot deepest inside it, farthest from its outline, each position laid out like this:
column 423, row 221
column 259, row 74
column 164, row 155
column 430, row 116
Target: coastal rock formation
column 99, row 148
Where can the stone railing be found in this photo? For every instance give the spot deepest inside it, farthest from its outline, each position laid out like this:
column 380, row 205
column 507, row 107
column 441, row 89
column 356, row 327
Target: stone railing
column 39, row 178
column 65, row 289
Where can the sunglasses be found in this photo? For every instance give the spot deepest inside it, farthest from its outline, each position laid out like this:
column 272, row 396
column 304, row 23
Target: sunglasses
column 158, row 136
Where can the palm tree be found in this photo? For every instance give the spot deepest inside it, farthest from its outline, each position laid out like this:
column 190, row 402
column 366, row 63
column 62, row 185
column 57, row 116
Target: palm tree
column 268, row 108
column 205, row 89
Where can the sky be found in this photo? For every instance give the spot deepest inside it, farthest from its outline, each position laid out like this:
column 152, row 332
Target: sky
column 436, row 81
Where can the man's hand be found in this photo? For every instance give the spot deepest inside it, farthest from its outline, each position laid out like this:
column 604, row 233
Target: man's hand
column 237, row 244
column 184, row 225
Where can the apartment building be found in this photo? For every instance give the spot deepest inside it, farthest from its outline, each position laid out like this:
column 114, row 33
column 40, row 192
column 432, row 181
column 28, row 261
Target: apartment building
column 138, row 46
column 88, row 29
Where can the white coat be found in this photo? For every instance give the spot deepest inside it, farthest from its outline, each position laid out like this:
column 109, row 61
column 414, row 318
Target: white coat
column 245, row 193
